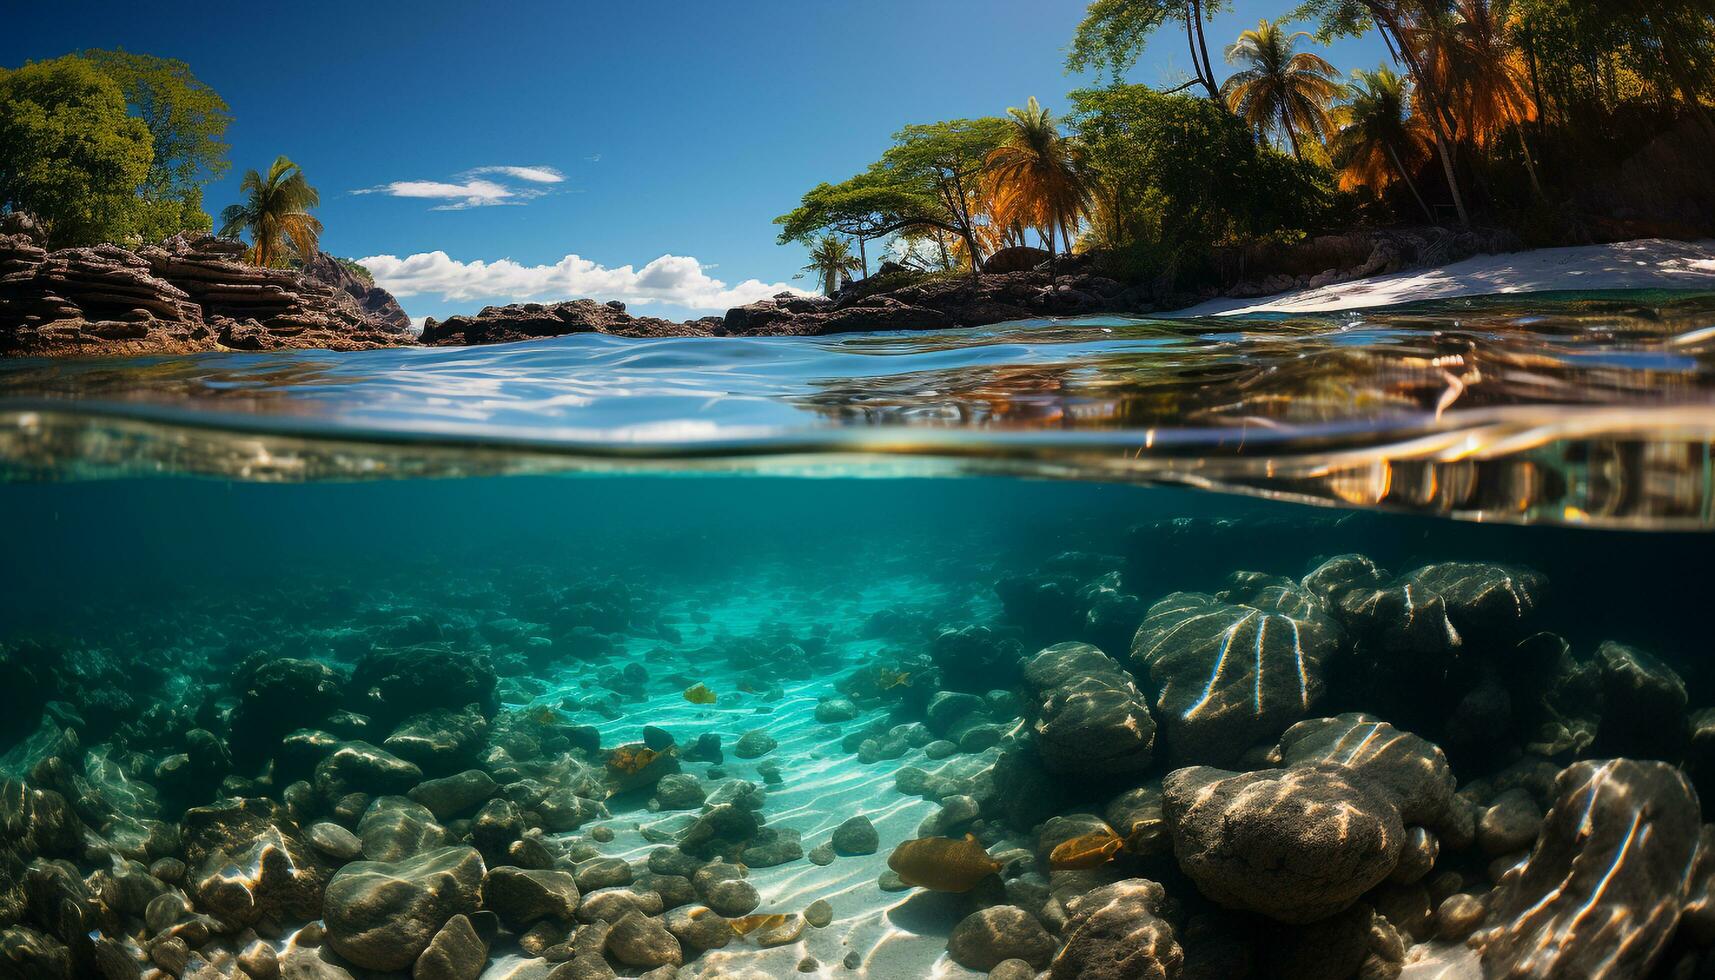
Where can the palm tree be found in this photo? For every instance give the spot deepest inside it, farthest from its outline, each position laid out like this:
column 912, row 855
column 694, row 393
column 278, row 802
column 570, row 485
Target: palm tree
column 1038, row 178
column 831, row 259
column 276, row 213
column 1378, row 141
column 1280, row 85
column 1471, row 52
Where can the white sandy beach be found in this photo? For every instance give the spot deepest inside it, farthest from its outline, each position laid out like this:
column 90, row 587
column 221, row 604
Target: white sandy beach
column 1645, row 264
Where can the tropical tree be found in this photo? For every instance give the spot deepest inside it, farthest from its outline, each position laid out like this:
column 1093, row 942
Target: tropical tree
column 276, row 213
column 863, row 208
column 187, row 123
column 1113, row 34
column 69, row 153
column 1393, row 20
column 1470, row 52
column 944, row 162
column 1280, row 86
column 1379, row 141
column 1038, row 178
column 831, row 260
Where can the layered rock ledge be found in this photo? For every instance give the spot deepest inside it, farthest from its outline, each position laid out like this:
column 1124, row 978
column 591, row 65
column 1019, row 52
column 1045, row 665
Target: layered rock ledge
column 184, row 295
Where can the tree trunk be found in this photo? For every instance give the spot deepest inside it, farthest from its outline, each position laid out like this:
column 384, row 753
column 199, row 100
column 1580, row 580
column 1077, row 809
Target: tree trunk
column 1411, row 185
column 862, row 257
column 1192, row 17
column 1530, row 164
column 1437, row 124
column 1291, row 137
column 1203, row 46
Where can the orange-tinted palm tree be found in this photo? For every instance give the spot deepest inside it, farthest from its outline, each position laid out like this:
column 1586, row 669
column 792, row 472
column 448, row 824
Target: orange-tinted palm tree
column 1471, row 52
column 1037, row 178
column 276, row 212
column 1379, row 141
column 1280, row 86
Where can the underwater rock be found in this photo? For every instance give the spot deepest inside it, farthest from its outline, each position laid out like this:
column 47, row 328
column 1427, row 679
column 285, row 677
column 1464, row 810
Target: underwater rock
column 1136, row 816
column 1024, row 793
column 831, row 711
column 457, row 952
column 277, row 695
column 394, row 828
column 1510, row 824
column 1643, row 705
column 679, row 791
column 251, row 861
column 986, row 938
column 1411, row 769
column 362, row 767
column 856, row 835
column 31, row 955
column 772, row 847
column 975, row 658
column 562, row 810
column 1046, row 608
column 1295, row 844
column 754, row 745
column 382, row 916
column 37, row 822
column 1604, row 888
column 698, row 928
column 1482, row 600
column 1236, row 668
column 455, row 795
column 638, row 940
column 1115, row 932
column 336, row 842
column 399, row 683
column 440, row 741
column 720, row 826
column 1092, row 720
column 522, row 896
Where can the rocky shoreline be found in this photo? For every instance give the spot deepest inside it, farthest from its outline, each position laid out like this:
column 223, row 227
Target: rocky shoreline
column 183, row 296
column 190, row 295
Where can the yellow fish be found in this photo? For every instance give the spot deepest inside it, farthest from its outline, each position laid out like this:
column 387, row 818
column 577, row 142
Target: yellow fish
column 747, row 924
column 544, row 715
column 1086, row 851
column 889, row 679
column 699, row 694
column 943, row 864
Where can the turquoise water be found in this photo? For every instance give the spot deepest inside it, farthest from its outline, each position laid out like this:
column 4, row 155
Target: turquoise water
column 265, row 618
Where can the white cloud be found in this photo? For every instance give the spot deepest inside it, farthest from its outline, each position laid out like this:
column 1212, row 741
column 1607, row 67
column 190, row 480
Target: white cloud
column 535, row 175
column 673, row 279
column 469, row 194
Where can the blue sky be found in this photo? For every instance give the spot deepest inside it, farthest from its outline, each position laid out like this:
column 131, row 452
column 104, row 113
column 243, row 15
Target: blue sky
column 678, row 129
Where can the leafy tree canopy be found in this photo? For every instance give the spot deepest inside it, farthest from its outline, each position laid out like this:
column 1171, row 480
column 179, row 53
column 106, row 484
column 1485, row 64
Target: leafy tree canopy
column 863, row 207
column 70, row 153
column 187, row 123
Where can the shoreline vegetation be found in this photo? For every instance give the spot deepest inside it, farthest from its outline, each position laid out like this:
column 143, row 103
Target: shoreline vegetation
column 1501, row 126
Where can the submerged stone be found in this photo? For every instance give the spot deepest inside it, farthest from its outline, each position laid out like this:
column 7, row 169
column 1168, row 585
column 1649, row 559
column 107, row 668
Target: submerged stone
column 381, row 916
column 1092, row 721
column 1234, row 669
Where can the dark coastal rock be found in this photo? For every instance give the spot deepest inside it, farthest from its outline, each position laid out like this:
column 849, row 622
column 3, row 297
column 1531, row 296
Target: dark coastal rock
column 456, row 795
column 1296, row 845
column 182, row 296
column 1410, row 769
column 441, row 740
column 985, row 939
column 378, row 303
column 383, row 916
column 533, row 321
column 1608, row 880
column 1234, row 669
column 1115, row 932
column 856, row 835
column 1092, row 721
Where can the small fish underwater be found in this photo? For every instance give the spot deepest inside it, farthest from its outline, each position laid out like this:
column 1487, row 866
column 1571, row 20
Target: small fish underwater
column 1125, row 671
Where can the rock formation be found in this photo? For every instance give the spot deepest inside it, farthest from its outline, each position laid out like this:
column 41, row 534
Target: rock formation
column 184, row 295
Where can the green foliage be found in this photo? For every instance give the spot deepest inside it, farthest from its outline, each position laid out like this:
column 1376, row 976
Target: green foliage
column 70, row 153
column 187, row 123
column 831, row 260
column 358, row 272
column 862, row 207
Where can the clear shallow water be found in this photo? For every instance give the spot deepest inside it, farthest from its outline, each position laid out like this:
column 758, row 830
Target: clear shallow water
column 221, row 585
